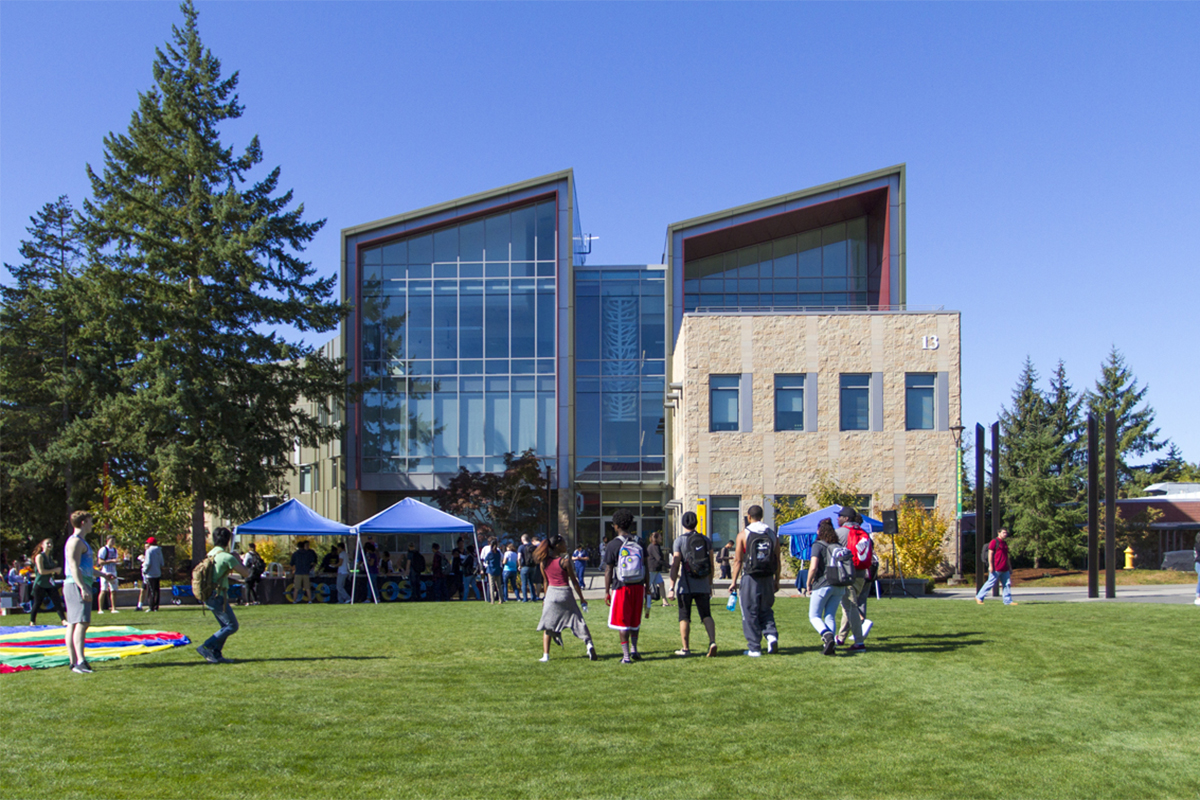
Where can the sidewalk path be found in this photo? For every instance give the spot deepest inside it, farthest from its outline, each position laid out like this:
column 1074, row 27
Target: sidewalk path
column 1175, row 594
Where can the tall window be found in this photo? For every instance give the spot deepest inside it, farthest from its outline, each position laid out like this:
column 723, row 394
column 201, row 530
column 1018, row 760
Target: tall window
column 724, row 518
column 789, row 402
column 307, row 473
column 856, row 402
column 918, row 400
column 723, row 402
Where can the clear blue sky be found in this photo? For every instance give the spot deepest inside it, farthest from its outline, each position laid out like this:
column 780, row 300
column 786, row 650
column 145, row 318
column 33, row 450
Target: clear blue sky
column 1053, row 150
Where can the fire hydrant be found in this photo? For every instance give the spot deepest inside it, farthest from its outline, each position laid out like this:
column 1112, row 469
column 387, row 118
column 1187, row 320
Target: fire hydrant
column 1128, row 558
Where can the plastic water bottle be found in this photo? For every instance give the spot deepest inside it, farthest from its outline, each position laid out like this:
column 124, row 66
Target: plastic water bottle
column 731, row 605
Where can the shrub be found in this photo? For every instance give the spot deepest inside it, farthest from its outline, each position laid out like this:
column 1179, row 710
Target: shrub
column 919, row 542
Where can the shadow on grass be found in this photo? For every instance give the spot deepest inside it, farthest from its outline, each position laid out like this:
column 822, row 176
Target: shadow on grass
column 926, row 643
column 199, row 662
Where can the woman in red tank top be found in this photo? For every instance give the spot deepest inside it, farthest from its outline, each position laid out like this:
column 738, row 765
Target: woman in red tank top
column 559, row 609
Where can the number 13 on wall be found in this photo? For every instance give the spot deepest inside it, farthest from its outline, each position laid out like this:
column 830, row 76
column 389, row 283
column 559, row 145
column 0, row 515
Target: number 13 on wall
column 929, row 342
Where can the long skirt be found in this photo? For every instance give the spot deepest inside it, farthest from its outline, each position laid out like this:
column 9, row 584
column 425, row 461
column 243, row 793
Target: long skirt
column 559, row 611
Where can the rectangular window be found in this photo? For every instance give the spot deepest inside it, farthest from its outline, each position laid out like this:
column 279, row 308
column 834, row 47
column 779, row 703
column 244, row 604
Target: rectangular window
column 925, row 501
column 789, row 402
column 862, row 504
column 723, row 402
column 724, row 519
column 306, row 479
column 918, row 400
column 856, row 402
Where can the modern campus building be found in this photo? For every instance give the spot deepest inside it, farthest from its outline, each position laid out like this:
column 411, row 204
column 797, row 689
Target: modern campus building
column 775, row 343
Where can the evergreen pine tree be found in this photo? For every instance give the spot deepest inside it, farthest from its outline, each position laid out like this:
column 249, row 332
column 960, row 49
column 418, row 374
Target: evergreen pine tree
column 1037, row 492
column 1117, row 390
column 42, row 388
column 198, row 272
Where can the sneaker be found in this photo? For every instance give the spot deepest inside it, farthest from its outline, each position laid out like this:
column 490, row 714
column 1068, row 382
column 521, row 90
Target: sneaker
column 99, row 612
column 626, row 660
column 82, row 668
column 545, row 657
column 866, row 627
column 635, row 655
column 830, row 645
column 556, row 637
column 221, row 658
column 839, row 640
column 772, row 644
column 858, row 647
column 592, row 652
column 753, row 653
column 208, row 655
column 1196, row 601
column 977, row 600
column 114, row 611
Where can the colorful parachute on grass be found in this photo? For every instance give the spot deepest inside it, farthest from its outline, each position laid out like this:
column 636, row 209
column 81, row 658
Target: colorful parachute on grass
column 42, row 646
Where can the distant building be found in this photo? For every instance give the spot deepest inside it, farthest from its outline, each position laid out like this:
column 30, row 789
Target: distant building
column 774, row 342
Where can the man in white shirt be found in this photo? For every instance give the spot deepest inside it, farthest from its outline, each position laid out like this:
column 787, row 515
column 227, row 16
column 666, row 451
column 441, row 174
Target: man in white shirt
column 107, row 558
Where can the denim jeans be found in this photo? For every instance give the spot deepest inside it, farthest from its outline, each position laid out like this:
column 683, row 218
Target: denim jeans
column 1005, row 579
column 822, row 604
column 343, row 595
column 470, row 586
column 527, row 585
column 220, row 608
column 510, row 579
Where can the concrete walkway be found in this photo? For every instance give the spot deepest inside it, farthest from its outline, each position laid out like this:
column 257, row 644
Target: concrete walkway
column 1175, row 594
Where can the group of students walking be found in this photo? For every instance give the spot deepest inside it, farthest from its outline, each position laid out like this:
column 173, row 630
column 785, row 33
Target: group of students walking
column 841, row 561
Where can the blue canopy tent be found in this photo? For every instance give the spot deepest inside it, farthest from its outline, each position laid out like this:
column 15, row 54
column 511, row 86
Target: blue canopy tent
column 292, row 518
column 411, row 516
column 803, row 530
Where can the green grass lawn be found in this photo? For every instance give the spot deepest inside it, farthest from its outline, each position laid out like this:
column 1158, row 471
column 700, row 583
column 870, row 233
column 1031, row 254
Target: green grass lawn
column 447, row 700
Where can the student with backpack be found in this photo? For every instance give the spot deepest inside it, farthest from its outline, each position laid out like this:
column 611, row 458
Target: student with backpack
column 830, row 570
column 757, row 563
column 692, row 566
column 211, row 576
column 626, row 584
column 851, row 536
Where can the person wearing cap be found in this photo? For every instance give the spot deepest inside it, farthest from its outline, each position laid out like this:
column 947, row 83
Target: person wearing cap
column 854, row 616
column 152, row 564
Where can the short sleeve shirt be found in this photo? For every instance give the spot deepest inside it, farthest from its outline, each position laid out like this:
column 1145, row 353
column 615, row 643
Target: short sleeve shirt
column 612, row 552
column 999, row 549
column 686, row 583
column 304, row 561
column 820, row 558
column 222, row 565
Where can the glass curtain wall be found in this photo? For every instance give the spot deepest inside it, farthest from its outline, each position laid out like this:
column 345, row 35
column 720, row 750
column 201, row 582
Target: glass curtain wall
column 821, row 268
column 594, row 511
column 458, row 344
column 620, row 368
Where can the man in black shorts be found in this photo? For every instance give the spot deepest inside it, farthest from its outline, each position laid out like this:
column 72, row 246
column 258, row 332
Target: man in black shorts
column 692, row 567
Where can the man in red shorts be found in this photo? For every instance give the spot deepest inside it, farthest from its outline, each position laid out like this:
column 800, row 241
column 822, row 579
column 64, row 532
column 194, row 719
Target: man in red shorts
column 626, row 584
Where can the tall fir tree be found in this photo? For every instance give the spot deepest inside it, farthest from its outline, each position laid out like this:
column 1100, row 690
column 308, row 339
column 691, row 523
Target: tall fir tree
column 44, row 386
column 1117, row 390
column 1037, row 495
column 198, row 272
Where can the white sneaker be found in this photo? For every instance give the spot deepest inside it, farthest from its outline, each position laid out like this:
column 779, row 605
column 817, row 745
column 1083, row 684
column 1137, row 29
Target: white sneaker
column 866, row 628
column 772, row 642
column 1196, row 601
column 754, row 653
column 114, row 611
column 545, row 658
column 98, row 611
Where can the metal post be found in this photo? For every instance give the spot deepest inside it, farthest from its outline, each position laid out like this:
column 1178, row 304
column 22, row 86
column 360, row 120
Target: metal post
column 549, row 474
column 1110, row 504
column 996, row 491
column 1093, row 506
column 957, row 430
column 980, row 522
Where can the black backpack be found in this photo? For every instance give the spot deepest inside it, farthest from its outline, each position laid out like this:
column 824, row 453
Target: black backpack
column 417, row 562
column 697, row 555
column 760, row 553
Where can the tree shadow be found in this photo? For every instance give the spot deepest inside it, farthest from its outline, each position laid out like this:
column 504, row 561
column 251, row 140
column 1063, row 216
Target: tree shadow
column 199, row 662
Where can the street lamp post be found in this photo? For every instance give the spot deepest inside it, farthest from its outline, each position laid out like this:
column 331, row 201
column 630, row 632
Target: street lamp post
column 957, row 430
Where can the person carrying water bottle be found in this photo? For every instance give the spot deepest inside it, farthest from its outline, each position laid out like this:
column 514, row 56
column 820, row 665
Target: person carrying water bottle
column 756, row 561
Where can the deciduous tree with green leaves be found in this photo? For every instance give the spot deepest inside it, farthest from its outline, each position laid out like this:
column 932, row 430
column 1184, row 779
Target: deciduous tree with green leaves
column 197, row 274
column 508, row 503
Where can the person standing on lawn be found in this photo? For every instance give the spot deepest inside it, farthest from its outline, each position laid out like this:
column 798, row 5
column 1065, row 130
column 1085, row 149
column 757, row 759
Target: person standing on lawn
column 580, row 558
column 107, row 558
column 254, row 562
column 692, row 566
column 224, row 562
column 525, row 568
column 823, row 597
column 559, row 610
column 152, row 566
column 626, row 584
column 302, row 561
column 1196, row 553
column 757, row 563
column 45, row 568
column 77, row 589
column 999, row 569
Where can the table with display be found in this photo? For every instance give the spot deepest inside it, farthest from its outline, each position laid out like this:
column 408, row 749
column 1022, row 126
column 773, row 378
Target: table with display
column 391, row 587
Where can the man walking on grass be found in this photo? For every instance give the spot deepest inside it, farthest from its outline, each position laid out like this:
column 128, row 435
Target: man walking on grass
column 79, row 562
column 692, row 567
column 626, row 584
column 850, row 535
column 757, row 564
column 223, row 563
column 999, row 569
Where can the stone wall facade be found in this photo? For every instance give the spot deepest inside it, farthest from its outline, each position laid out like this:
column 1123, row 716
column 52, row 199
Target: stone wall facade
column 763, row 463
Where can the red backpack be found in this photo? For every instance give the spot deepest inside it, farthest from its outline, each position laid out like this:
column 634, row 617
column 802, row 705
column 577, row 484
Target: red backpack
column 862, row 549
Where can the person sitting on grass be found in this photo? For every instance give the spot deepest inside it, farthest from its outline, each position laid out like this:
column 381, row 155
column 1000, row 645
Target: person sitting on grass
column 223, row 563
column 559, row 609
